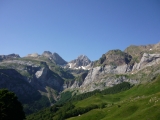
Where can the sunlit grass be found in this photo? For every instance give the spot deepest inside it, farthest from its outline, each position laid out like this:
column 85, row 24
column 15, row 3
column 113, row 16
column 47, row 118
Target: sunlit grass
column 142, row 102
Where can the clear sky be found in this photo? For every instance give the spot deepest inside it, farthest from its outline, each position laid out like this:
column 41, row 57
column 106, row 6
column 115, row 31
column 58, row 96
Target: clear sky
column 75, row 27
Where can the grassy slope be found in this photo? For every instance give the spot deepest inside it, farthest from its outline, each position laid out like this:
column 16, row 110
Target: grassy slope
column 141, row 102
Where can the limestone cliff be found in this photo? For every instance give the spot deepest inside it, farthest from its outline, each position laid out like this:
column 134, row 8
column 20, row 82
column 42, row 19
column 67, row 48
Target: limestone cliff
column 100, row 77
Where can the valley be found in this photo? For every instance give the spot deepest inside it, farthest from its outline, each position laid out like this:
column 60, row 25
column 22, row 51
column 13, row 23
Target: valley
column 47, row 80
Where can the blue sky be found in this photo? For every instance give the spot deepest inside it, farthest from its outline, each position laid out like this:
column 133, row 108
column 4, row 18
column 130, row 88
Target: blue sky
column 75, row 27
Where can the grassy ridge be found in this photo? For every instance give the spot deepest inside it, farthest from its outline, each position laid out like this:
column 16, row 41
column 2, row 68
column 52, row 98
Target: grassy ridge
column 141, row 102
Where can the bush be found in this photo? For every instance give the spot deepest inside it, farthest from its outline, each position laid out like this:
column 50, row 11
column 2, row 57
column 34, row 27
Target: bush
column 10, row 107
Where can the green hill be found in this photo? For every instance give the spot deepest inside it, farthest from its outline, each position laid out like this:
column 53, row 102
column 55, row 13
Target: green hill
column 140, row 102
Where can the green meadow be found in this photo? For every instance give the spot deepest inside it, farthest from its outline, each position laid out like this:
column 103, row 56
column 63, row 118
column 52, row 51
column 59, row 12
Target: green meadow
column 141, row 102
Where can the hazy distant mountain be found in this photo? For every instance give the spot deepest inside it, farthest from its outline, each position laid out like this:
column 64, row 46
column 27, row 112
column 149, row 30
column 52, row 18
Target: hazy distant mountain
column 54, row 57
column 9, row 57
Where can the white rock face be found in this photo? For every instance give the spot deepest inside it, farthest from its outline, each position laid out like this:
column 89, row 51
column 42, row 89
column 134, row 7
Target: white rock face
column 106, row 82
column 95, row 75
column 41, row 74
column 147, row 60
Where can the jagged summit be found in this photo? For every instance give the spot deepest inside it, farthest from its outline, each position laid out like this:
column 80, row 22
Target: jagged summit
column 82, row 62
column 40, row 75
column 47, row 54
column 58, row 59
column 114, row 57
column 55, row 57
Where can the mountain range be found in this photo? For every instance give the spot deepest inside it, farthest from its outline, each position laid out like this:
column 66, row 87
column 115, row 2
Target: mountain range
column 38, row 79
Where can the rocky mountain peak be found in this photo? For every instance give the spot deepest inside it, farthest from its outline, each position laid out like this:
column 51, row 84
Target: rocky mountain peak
column 47, row 54
column 58, row 59
column 9, row 57
column 55, row 57
column 82, row 62
column 114, row 57
column 83, row 58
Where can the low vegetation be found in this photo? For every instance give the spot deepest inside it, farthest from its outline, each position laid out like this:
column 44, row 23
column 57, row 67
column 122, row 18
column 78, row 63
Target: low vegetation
column 70, row 107
column 122, row 101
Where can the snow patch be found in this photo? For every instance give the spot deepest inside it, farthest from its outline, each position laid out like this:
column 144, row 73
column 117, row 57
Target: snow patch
column 83, row 67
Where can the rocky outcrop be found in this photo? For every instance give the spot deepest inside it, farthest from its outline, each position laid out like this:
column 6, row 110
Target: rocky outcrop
column 54, row 57
column 43, row 77
column 82, row 62
column 79, row 81
column 100, row 74
column 106, row 82
column 97, row 79
column 147, row 60
column 59, row 60
column 33, row 74
column 114, row 57
column 137, row 51
column 47, row 54
column 96, row 73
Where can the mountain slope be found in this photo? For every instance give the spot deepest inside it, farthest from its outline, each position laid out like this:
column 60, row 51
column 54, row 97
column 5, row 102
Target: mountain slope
column 141, row 102
column 137, row 103
column 54, row 57
column 137, row 51
column 47, row 76
column 114, row 57
column 29, row 75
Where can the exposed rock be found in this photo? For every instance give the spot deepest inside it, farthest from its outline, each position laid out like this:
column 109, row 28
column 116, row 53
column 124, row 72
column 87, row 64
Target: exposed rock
column 114, row 57
column 106, row 82
column 45, row 77
column 55, row 57
column 147, row 60
column 104, row 73
column 58, row 60
column 82, row 62
column 41, row 74
column 79, row 81
column 96, row 73
column 47, row 54
column 95, row 80
column 137, row 51
column 9, row 57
